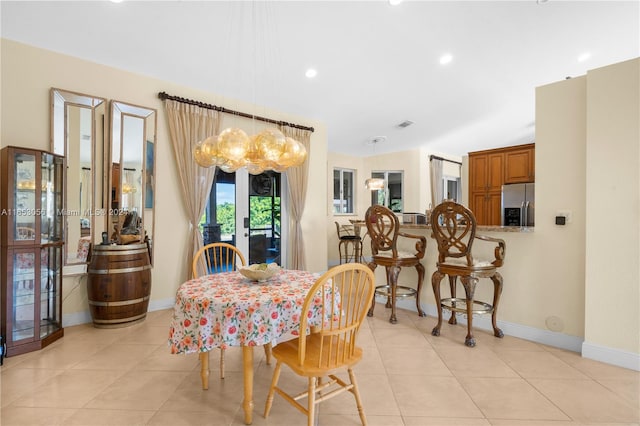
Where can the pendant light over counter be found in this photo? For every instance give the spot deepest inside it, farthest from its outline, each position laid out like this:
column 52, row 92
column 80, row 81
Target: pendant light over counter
column 375, row 184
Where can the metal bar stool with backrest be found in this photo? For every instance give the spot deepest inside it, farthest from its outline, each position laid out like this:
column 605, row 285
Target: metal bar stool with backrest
column 383, row 227
column 454, row 229
column 212, row 259
column 349, row 244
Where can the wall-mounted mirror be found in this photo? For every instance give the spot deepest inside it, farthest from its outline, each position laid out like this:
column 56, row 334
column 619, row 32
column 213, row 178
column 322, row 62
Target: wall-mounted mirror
column 132, row 164
column 78, row 133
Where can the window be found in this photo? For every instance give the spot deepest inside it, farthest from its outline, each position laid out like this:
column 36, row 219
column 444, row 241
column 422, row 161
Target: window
column 451, row 188
column 391, row 195
column 343, row 181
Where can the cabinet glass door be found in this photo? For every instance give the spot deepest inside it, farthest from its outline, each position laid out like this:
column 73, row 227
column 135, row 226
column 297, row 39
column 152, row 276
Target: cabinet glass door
column 50, row 290
column 51, row 219
column 24, row 289
column 25, row 207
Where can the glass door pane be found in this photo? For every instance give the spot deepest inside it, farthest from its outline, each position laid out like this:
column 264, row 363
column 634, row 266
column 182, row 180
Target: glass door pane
column 23, row 289
column 265, row 218
column 25, row 197
column 50, row 290
column 51, row 219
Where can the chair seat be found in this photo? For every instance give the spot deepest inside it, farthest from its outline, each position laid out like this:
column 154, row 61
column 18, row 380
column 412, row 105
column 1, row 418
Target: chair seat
column 287, row 352
column 402, row 256
column 349, row 237
column 462, row 264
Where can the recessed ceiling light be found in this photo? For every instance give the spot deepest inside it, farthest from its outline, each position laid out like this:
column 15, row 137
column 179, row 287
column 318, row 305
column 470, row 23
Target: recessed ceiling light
column 311, row 73
column 446, row 58
column 116, row 1
column 584, row 57
column 395, row 2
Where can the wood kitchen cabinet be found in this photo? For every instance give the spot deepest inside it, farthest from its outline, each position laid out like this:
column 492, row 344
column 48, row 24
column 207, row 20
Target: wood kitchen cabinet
column 31, row 247
column 486, row 176
column 519, row 164
column 489, row 170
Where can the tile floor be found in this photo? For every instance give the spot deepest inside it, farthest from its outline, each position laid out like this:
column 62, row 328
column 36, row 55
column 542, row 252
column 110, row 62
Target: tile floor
column 126, row 376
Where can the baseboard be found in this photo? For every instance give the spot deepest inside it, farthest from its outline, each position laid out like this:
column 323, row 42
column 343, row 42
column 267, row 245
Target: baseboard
column 545, row 337
column 617, row 357
column 84, row 317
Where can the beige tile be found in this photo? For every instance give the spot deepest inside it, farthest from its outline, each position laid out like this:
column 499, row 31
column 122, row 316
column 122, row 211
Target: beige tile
column 399, row 337
column 474, row 362
column 507, row 398
column 16, row 382
column 138, row 390
column 93, row 417
column 116, row 357
column 586, row 400
column 540, row 365
column 413, row 361
column 71, row 389
column 126, row 376
column 431, row 396
column 22, row 416
column 628, row 389
column 444, row 421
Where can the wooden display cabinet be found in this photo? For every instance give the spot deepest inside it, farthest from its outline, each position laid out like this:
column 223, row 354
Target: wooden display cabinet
column 31, row 247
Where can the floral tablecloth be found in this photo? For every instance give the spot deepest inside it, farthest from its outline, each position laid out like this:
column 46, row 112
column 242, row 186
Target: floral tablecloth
column 226, row 309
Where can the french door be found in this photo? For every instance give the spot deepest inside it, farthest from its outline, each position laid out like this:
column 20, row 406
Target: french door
column 247, row 211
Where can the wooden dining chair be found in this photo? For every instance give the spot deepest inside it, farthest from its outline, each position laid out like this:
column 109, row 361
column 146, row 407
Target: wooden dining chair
column 454, row 229
column 212, row 259
column 341, row 297
column 383, row 228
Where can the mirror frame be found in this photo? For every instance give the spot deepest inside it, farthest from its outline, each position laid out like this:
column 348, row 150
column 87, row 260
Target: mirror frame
column 118, row 112
column 60, row 101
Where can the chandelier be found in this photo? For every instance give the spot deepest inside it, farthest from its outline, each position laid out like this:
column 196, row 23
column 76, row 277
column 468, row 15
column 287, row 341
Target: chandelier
column 375, row 184
column 233, row 149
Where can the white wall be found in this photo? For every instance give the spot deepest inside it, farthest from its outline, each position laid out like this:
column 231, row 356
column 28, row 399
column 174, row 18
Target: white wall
column 613, row 210
column 27, row 75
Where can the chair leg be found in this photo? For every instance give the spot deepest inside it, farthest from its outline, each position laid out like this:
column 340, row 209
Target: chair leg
column 452, row 287
column 356, row 394
column 420, row 270
column 389, row 285
column 340, row 244
column 372, row 266
column 272, row 389
column 436, row 278
column 394, row 271
column 497, row 291
column 469, row 284
column 312, row 401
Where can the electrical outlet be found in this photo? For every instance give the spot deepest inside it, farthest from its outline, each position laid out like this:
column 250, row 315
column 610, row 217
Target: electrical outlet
column 567, row 214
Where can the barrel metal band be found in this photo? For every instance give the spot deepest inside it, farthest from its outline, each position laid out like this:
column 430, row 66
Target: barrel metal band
column 119, row 271
column 119, row 320
column 118, row 252
column 121, row 303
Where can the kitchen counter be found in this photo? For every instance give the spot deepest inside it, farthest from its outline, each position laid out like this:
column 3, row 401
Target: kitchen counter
column 479, row 228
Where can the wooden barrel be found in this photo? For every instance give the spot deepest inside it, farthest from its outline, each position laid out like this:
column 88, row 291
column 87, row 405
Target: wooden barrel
column 119, row 284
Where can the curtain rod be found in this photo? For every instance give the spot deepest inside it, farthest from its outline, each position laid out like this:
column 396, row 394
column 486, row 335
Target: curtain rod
column 435, row 157
column 164, row 95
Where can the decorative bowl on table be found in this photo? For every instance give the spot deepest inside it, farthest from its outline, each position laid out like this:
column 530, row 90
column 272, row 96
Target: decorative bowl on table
column 260, row 271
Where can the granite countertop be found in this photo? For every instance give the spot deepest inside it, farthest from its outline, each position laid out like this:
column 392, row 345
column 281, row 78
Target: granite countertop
column 480, row 228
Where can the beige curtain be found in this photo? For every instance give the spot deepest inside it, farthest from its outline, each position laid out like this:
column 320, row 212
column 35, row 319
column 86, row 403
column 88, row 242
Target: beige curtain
column 437, row 191
column 188, row 125
column 297, row 178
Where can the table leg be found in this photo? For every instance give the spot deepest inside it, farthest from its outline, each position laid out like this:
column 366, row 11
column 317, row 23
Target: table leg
column 204, row 369
column 247, row 367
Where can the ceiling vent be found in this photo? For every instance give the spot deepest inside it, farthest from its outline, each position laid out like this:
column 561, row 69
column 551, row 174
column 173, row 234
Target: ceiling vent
column 405, row 124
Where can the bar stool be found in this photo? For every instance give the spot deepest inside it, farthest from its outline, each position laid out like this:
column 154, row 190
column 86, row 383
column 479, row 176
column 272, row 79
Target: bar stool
column 349, row 245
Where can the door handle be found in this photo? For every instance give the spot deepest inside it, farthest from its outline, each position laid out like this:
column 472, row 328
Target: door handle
column 246, row 234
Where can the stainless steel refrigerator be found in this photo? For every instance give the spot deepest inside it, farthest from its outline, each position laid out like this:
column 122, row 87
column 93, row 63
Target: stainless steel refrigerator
column 518, row 204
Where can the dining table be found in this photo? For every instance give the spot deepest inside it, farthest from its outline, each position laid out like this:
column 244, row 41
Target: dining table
column 226, row 309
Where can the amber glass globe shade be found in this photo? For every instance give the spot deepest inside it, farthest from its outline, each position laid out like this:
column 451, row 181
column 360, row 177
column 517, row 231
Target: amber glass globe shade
column 294, row 153
column 271, row 143
column 233, row 144
column 206, row 152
